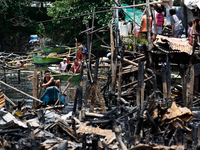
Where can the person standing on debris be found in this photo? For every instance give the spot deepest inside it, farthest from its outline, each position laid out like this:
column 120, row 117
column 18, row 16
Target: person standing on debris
column 158, row 21
column 49, row 81
column 176, row 23
column 63, row 66
column 79, row 51
column 143, row 29
column 76, row 67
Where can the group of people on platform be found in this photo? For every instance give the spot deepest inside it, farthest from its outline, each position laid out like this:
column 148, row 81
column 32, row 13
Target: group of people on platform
column 157, row 21
column 65, row 66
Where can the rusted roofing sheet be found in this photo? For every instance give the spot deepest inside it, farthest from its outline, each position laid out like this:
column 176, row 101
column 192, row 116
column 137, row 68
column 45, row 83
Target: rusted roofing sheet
column 174, row 44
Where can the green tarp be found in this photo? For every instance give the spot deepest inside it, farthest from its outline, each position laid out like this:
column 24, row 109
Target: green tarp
column 129, row 11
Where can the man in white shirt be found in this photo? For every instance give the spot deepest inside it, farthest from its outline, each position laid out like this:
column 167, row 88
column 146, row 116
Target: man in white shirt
column 63, row 66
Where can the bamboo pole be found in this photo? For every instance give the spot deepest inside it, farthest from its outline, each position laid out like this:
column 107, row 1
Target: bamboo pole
column 9, row 100
column 35, row 86
column 119, row 78
column 148, row 24
column 112, row 57
column 20, row 91
column 134, row 30
column 65, row 89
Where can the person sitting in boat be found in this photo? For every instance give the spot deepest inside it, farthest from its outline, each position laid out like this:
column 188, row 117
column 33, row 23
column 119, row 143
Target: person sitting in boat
column 79, row 51
column 63, row 66
column 68, row 63
column 49, row 81
column 76, row 67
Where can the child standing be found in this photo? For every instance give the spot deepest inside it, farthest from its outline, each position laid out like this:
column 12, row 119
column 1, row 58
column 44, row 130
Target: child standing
column 190, row 31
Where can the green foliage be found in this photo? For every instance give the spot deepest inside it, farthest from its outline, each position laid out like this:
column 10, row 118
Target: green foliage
column 40, row 30
column 139, row 40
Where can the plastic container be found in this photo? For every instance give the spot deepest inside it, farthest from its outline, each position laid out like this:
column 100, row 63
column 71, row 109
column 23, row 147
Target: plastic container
column 33, row 37
column 124, row 30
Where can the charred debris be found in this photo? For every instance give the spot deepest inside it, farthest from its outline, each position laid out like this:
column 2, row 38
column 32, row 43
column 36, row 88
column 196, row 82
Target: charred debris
column 140, row 107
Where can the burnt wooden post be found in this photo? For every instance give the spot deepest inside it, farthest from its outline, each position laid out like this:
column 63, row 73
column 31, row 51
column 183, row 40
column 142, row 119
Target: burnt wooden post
column 191, row 85
column 188, row 90
column 60, row 93
column 4, row 72
column 164, row 82
column 120, row 75
column 155, row 85
column 168, row 71
column 183, row 81
column 35, row 86
column 140, row 83
column 18, row 72
column 198, row 135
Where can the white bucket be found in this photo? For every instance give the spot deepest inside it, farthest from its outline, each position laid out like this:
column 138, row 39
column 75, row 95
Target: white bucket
column 124, row 30
column 119, row 24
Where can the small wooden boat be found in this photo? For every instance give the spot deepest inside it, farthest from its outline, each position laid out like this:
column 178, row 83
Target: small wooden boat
column 51, row 95
column 44, row 59
column 58, row 49
column 64, row 76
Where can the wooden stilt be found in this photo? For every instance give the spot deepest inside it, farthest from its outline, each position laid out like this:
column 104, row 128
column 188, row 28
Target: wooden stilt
column 191, row 85
column 142, row 95
column 18, row 71
column 183, row 81
column 187, row 89
column 164, row 82
column 120, row 76
column 4, row 72
column 35, row 86
column 40, row 84
column 168, row 69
